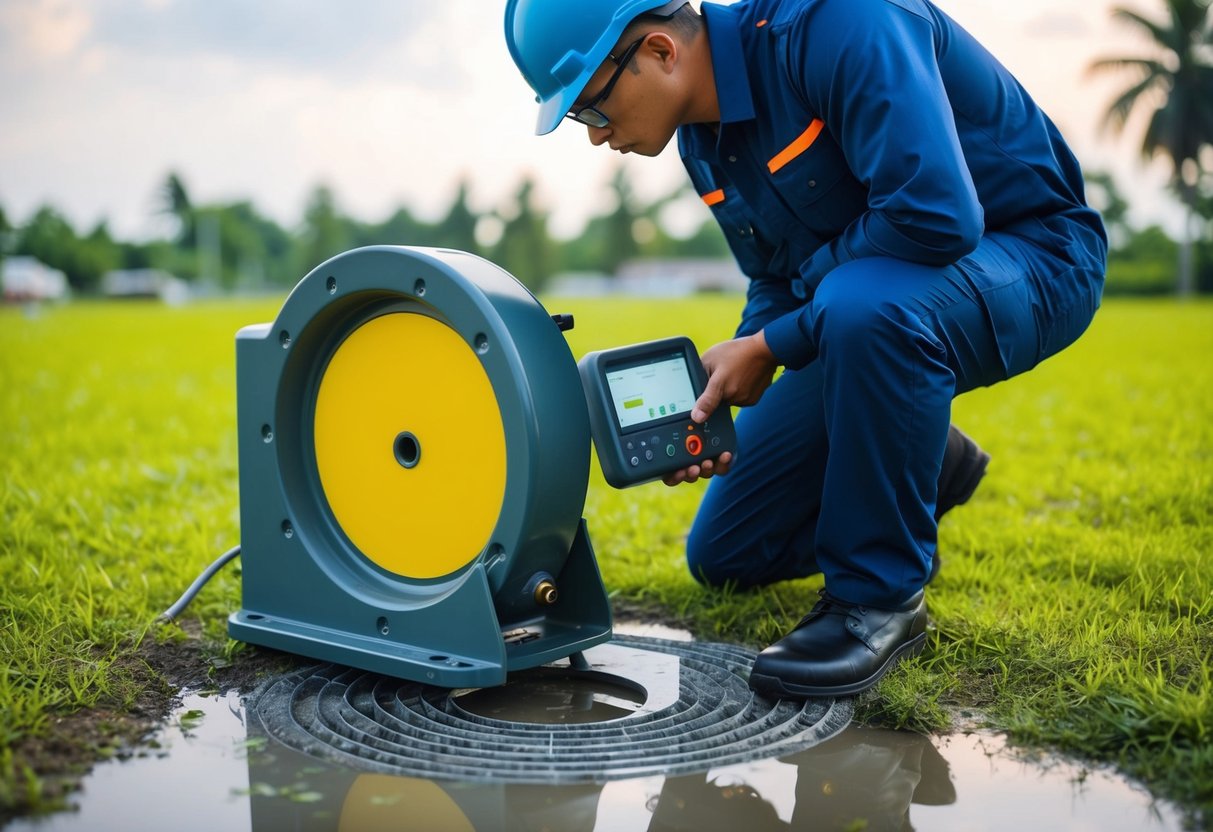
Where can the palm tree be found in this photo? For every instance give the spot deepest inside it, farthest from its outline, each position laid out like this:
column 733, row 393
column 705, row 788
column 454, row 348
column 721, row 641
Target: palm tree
column 1178, row 83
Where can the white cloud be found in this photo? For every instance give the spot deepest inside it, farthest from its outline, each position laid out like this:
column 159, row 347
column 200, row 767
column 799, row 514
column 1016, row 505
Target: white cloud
column 42, row 30
column 310, row 36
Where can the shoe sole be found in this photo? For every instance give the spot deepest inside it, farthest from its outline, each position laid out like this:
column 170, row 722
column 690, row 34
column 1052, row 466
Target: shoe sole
column 777, row 688
column 975, row 474
column 958, row 494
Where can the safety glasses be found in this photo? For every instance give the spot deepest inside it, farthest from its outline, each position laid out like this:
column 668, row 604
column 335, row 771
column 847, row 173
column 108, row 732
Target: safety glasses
column 589, row 113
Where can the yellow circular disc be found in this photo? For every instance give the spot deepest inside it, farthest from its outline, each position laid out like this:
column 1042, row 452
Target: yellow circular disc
column 410, row 445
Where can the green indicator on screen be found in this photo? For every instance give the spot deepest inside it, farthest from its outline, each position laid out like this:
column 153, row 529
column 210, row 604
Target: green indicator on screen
column 628, row 404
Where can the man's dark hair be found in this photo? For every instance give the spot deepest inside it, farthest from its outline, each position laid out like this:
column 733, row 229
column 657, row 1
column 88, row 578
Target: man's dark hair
column 684, row 24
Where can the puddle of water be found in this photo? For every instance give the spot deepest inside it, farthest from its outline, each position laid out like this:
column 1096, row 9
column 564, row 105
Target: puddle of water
column 551, row 695
column 555, row 697
column 189, row 782
column 209, row 775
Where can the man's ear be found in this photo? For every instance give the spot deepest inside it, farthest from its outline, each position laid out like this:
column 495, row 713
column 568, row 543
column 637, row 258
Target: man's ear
column 662, row 47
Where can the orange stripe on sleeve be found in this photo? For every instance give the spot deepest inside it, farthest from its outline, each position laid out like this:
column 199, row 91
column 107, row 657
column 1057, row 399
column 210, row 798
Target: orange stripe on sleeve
column 802, row 143
column 761, row 23
column 714, row 198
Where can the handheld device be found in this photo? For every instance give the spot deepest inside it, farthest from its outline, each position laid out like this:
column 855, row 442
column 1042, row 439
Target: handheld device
column 640, row 399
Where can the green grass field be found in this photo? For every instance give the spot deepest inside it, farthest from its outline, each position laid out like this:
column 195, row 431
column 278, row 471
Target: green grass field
column 1074, row 609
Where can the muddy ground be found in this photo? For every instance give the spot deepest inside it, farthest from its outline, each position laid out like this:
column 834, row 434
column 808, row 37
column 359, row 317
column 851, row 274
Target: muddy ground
column 157, row 673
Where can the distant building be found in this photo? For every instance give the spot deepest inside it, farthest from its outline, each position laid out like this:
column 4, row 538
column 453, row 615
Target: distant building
column 674, row 277
column 580, row 285
column 677, row 277
column 145, row 283
column 27, row 278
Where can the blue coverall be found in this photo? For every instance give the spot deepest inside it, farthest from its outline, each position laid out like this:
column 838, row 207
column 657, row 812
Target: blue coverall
column 913, row 227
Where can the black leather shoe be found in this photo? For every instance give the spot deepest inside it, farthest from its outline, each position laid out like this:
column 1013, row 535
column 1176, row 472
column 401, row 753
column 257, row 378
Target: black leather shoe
column 964, row 464
column 839, row 649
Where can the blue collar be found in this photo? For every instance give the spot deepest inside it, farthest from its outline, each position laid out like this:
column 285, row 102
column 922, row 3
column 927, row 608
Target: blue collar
column 728, row 63
column 732, row 80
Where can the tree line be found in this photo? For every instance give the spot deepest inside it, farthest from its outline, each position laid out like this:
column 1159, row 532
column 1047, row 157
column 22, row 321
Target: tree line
column 233, row 245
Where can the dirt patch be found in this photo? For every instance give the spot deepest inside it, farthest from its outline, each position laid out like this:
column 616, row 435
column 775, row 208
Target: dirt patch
column 192, row 664
column 45, row 769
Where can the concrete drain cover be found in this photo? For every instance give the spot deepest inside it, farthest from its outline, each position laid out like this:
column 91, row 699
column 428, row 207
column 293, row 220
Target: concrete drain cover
column 662, row 707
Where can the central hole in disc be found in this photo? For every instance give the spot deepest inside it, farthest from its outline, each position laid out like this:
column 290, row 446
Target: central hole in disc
column 550, row 696
column 407, row 449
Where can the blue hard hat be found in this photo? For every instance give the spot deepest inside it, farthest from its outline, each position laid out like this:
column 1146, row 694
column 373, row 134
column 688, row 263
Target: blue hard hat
column 558, row 45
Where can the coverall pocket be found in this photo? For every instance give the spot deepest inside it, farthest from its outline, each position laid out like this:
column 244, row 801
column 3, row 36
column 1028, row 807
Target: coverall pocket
column 998, row 272
column 752, row 256
column 1065, row 308
column 811, row 185
column 1037, row 303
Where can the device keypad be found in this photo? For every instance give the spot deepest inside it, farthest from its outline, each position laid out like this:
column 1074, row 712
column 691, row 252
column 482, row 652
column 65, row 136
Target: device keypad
column 688, row 440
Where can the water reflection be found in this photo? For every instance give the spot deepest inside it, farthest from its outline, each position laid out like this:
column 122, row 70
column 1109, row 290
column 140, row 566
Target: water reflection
column 862, row 776
column 211, row 775
column 553, row 695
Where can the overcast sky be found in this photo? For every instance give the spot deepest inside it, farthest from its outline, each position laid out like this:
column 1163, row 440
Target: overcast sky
column 390, row 102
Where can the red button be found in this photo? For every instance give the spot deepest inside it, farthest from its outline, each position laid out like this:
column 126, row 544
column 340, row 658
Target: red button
column 694, row 445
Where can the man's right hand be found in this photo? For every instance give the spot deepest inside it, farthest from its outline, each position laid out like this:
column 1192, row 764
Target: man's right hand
column 739, row 372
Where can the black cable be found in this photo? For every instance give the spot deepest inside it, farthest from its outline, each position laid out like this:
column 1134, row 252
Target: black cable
column 176, row 609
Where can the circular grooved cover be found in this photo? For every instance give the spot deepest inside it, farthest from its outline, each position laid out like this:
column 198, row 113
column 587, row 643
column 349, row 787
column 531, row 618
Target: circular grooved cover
column 376, row 723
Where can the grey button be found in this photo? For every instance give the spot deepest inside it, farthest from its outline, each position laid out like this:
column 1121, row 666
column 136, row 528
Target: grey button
column 649, row 454
column 635, row 461
column 715, row 442
column 732, row 158
column 812, row 183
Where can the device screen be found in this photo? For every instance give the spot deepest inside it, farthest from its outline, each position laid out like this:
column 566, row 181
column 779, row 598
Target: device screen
column 651, row 389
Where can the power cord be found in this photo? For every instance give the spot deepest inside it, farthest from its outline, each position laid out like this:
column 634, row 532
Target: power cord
column 184, row 601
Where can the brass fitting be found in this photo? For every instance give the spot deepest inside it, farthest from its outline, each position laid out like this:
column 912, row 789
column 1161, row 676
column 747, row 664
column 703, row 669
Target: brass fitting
column 545, row 592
